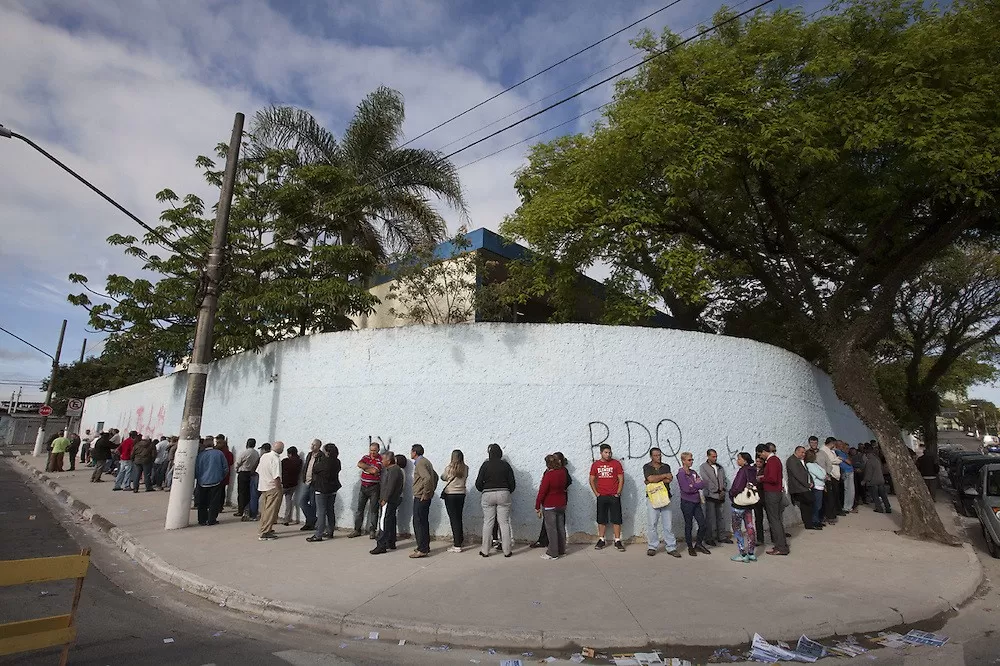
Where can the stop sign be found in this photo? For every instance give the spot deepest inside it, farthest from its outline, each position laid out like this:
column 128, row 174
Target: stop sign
column 45, row 410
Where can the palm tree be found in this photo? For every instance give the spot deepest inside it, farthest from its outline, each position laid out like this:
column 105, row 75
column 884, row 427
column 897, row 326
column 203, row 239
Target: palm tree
column 390, row 210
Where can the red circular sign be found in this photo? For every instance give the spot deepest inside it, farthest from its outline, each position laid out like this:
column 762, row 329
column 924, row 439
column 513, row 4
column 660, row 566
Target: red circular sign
column 45, row 410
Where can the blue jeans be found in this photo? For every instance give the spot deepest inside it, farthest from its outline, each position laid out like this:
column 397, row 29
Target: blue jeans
column 817, row 506
column 254, row 496
column 665, row 517
column 325, row 503
column 124, row 477
column 692, row 511
column 308, row 505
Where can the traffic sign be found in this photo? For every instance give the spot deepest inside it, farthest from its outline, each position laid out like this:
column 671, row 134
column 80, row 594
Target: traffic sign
column 45, row 410
column 74, row 407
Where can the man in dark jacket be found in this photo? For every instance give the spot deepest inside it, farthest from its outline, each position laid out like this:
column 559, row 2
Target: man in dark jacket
column 142, row 464
column 74, row 448
column 800, row 486
column 325, row 484
column 390, row 496
column 100, row 455
column 291, row 473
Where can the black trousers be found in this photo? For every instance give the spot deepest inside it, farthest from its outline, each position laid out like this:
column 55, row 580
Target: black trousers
column 758, row 519
column 454, row 503
column 387, row 535
column 832, row 499
column 242, row 491
column 422, row 524
column 805, row 502
column 209, row 503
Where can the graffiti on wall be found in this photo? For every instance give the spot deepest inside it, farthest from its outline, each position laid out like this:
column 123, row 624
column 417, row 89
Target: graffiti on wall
column 146, row 421
column 639, row 439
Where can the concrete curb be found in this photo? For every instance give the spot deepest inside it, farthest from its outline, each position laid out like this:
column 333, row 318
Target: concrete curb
column 357, row 625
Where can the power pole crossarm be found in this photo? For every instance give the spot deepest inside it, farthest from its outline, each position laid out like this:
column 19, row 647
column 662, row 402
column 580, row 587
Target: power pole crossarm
column 179, row 505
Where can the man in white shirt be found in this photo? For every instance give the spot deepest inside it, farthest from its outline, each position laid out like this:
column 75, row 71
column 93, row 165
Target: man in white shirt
column 269, row 487
column 85, row 446
column 245, row 464
column 827, row 459
column 161, row 461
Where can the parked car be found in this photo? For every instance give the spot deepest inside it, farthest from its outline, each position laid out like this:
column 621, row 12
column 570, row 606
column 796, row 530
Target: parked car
column 953, row 462
column 991, row 448
column 968, row 478
column 987, row 505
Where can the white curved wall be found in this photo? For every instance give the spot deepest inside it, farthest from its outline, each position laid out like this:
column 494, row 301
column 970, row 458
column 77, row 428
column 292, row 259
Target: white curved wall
column 533, row 388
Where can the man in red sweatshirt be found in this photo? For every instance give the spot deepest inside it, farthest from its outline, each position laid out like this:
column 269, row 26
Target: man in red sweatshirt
column 774, row 490
column 125, row 460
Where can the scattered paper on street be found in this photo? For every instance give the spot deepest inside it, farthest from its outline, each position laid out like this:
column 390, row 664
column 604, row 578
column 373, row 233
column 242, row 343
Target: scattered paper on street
column 511, row 662
column 845, row 649
column 810, row 647
column 402, row 641
column 761, row 650
column 925, row 638
column 168, row 640
column 891, row 640
column 373, row 636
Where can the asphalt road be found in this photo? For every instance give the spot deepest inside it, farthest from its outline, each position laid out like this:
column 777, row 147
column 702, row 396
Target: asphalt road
column 125, row 614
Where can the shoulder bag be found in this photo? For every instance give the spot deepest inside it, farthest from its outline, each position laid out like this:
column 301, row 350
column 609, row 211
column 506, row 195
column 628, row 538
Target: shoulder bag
column 658, row 495
column 747, row 497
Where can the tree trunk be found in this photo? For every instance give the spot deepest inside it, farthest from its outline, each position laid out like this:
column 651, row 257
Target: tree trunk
column 854, row 380
column 926, row 404
column 928, row 423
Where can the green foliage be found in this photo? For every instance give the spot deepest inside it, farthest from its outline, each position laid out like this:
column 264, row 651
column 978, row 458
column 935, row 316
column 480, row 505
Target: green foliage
column 113, row 369
column 311, row 220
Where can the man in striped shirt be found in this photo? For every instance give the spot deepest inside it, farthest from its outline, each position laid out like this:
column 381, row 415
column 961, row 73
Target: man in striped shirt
column 371, row 470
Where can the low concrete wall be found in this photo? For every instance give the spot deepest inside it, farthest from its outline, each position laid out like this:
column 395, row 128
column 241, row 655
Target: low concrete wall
column 532, row 388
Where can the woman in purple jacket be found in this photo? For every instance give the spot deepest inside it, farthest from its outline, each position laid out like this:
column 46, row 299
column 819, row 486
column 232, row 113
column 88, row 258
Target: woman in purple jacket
column 691, row 485
column 746, row 475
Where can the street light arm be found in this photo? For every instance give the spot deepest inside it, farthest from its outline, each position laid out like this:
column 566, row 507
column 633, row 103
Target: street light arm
column 25, row 341
column 6, row 133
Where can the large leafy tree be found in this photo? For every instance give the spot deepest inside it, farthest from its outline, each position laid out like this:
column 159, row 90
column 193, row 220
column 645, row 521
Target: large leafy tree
column 945, row 336
column 384, row 188
column 827, row 161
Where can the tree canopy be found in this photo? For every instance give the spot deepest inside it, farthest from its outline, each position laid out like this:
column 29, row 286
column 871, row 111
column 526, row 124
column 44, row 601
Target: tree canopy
column 821, row 162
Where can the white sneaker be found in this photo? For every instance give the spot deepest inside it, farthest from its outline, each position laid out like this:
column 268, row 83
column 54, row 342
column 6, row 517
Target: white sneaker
column 454, row 549
column 546, row 556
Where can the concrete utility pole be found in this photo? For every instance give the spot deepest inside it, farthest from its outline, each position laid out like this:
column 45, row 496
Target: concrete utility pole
column 83, row 350
column 40, row 439
column 179, row 505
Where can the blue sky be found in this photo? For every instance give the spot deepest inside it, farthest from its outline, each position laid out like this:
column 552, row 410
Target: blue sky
column 129, row 93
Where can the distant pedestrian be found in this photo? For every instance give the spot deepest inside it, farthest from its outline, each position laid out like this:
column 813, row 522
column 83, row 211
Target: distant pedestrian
column 325, row 484
column 657, row 471
column 846, row 479
column 691, row 485
column 818, row 476
column 99, row 455
column 210, row 470
column 858, row 462
column 222, row 444
column 607, row 476
column 813, row 443
column 74, row 448
column 60, row 445
column 308, row 494
column 125, row 461
column 758, row 508
column 368, row 502
column 773, row 485
column 254, row 489
column 496, row 483
column 291, row 476
column 269, row 487
column 543, row 538
column 143, row 455
column 743, row 520
column 86, row 440
column 455, row 475
column 550, row 504
column 800, row 485
column 425, row 481
column 171, row 456
column 390, row 497
column 716, row 488
column 246, row 464
column 875, row 479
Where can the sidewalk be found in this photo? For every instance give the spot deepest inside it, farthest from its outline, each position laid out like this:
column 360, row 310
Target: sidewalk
column 856, row 576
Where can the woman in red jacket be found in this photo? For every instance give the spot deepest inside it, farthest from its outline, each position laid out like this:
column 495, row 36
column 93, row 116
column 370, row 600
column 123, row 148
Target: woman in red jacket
column 551, row 506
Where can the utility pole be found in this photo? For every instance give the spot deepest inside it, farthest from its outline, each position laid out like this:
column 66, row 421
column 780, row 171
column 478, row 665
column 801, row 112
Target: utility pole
column 84, row 350
column 179, row 504
column 40, row 439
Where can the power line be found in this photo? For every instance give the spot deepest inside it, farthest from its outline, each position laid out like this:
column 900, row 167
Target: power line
column 13, row 335
column 543, row 71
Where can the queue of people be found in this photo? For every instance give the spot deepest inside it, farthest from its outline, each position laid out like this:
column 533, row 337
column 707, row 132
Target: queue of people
column 825, row 482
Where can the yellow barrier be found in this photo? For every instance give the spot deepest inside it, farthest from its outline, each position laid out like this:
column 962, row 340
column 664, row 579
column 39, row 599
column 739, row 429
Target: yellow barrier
column 47, row 631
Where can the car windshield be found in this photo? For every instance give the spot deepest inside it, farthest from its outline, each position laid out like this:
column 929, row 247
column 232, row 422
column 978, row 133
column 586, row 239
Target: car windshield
column 993, row 483
column 970, row 476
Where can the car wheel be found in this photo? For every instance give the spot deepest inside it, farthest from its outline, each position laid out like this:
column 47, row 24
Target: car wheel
column 991, row 546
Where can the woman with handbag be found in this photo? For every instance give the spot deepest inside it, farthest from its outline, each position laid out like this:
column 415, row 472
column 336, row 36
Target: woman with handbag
column 455, row 475
column 744, row 497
